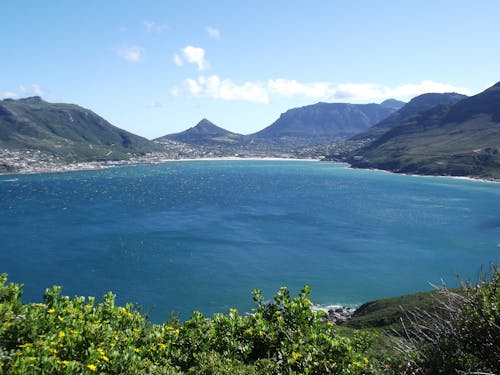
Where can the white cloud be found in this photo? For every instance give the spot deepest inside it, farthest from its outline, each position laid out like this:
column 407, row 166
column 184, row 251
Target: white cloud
column 213, row 32
column 24, row 90
column 358, row 91
column 285, row 87
column 32, row 89
column 175, row 91
column 412, row 90
column 256, row 91
column 215, row 88
column 177, row 60
column 8, row 95
column 152, row 26
column 131, row 53
column 374, row 92
column 195, row 55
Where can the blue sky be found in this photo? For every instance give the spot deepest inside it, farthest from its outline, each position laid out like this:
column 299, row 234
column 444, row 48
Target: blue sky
column 158, row 67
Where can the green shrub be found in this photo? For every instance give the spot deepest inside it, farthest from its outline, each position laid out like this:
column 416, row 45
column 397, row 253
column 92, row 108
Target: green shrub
column 76, row 335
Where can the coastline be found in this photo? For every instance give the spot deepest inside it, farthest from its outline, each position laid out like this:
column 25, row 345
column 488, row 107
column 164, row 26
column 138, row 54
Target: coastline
column 97, row 165
column 337, row 314
column 467, row 178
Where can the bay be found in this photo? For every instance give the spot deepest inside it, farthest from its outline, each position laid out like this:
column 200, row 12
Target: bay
column 200, row 235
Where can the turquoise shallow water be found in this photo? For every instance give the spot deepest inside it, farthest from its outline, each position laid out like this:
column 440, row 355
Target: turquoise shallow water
column 201, row 235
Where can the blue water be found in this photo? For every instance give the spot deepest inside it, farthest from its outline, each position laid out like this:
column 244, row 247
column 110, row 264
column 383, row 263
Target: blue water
column 201, row 235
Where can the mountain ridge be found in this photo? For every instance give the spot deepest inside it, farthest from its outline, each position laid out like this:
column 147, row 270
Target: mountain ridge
column 413, row 107
column 322, row 122
column 68, row 130
column 460, row 139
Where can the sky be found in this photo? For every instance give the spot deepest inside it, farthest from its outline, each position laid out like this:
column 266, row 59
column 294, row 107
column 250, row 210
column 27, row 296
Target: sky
column 159, row 67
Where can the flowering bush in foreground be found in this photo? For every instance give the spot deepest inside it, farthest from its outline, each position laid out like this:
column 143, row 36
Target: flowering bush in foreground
column 76, row 335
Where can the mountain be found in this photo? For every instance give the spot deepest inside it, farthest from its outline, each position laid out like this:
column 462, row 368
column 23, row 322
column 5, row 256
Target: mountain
column 205, row 133
column 323, row 123
column 416, row 105
column 393, row 104
column 461, row 139
column 66, row 130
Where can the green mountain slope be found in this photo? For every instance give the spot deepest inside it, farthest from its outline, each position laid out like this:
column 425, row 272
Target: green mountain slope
column 418, row 104
column 460, row 139
column 66, row 130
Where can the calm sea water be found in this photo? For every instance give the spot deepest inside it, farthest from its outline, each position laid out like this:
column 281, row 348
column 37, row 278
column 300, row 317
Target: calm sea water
column 201, row 235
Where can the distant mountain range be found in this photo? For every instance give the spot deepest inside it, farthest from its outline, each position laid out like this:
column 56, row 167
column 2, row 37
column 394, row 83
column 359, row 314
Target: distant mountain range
column 66, row 130
column 460, row 139
column 319, row 123
column 445, row 134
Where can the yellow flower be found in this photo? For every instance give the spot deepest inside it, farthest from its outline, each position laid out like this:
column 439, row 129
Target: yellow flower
column 27, row 345
column 296, row 355
column 104, row 358
column 64, row 363
column 51, row 311
column 365, row 360
column 100, row 351
column 137, row 350
column 92, row 367
column 60, row 318
column 61, row 335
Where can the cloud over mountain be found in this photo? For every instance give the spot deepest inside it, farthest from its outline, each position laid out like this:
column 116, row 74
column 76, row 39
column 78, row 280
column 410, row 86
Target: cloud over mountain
column 259, row 92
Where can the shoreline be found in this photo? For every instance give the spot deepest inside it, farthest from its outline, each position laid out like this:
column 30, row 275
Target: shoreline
column 337, row 314
column 97, row 165
column 466, row 178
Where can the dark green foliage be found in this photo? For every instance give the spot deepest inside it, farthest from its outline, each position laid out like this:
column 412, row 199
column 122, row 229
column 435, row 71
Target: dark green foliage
column 385, row 314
